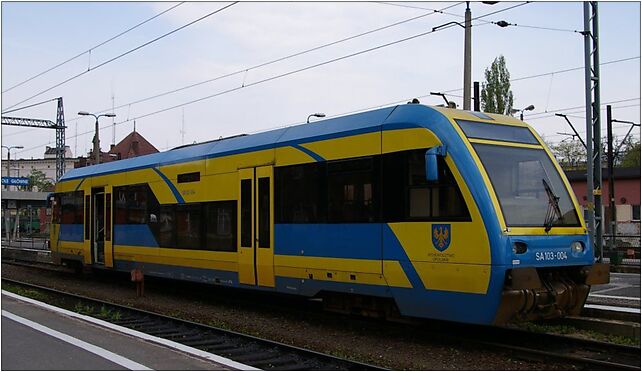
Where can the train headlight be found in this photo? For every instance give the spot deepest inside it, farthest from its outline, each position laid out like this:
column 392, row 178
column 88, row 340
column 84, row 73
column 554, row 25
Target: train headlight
column 519, row 247
column 577, row 247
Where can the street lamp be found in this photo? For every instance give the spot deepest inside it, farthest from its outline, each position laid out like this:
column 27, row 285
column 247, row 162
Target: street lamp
column 317, row 115
column 521, row 112
column 96, row 139
column 9, row 156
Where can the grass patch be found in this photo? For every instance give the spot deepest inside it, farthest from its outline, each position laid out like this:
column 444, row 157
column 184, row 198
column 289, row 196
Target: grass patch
column 578, row 332
column 26, row 292
column 84, row 309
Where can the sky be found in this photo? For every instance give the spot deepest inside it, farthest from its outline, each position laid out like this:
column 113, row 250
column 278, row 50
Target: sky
column 39, row 35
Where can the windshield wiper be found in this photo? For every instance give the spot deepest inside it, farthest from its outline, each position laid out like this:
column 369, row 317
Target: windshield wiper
column 553, row 207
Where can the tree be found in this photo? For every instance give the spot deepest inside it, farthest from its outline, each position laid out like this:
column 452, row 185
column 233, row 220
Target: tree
column 630, row 154
column 570, row 154
column 39, row 181
column 496, row 95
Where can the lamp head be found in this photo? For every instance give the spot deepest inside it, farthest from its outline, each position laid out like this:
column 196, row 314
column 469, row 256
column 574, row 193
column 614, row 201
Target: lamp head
column 110, row 115
column 530, row 108
column 83, row 113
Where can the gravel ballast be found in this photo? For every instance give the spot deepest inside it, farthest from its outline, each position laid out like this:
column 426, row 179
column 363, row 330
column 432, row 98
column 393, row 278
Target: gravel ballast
column 394, row 346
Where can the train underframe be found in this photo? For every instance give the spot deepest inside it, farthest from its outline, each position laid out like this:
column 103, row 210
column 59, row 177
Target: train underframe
column 546, row 293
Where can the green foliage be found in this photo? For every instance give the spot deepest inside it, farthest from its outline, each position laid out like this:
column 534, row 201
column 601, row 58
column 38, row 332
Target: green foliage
column 630, row 155
column 496, row 96
column 38, row 181
column 84, row 309
column 26, row 292
column 570, row 154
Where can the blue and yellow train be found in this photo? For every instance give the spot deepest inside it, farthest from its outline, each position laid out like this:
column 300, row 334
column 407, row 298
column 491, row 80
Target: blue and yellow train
column 404, row 211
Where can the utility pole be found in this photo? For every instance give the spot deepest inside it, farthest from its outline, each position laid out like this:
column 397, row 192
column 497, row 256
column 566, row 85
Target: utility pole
column 467, row 56
column 476, row 96
column 609, row 138
column 593, row 126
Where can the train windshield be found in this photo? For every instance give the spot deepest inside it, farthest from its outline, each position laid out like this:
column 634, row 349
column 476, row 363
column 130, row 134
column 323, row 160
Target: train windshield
column 520, row 177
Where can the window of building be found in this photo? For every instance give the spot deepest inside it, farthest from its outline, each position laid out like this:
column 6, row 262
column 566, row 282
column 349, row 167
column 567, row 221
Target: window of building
column 636, row 212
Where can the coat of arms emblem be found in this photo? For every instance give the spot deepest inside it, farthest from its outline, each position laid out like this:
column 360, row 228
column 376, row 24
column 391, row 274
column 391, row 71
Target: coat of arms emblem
column 441, row 236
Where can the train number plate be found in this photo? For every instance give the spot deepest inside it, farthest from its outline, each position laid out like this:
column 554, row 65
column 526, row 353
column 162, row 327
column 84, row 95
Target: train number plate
column 550, row 256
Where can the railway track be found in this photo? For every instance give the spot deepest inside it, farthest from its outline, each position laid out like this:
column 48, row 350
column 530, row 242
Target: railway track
column 523, row 344
column 246, row 349
column 588, row 353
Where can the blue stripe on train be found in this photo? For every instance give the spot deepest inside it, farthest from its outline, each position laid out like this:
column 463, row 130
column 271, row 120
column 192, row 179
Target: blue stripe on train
column 354, row 240
column 211, row 276
column 137, row 235
column 71, row 233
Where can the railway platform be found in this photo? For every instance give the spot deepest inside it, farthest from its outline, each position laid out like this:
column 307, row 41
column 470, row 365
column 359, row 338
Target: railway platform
column 622, row 291
column 37, row 336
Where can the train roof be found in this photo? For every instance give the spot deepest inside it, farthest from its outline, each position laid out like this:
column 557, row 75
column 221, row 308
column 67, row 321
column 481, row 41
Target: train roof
column 345, row 125
column 363, row 122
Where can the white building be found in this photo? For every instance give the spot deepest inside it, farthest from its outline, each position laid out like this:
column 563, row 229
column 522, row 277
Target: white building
column 47, row 165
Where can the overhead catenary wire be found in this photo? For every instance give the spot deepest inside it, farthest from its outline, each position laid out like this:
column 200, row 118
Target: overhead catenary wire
column 531, row 115
column 280, row 59
column 312, row 66
column 125, row 53
column 29, row 106
column 264, row 80
column 537, row 27
column 317, row 65
column 92, row 48
column 433, row 11
column 274, row 77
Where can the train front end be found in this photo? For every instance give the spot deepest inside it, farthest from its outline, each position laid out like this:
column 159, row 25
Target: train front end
column 543, row 242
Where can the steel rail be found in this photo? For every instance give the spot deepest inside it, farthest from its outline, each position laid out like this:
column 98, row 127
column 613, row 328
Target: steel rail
column 243, row 348
column 590, row 353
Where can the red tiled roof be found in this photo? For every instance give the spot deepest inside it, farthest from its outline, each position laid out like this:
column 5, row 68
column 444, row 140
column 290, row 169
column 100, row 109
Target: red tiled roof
column 131, row 146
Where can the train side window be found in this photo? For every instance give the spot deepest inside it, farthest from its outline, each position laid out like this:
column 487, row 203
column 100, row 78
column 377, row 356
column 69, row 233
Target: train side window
column 71, row 208
column 56, row 213
column 108, row 216
column 351, row 190
column 220, row 226
column 246, row 213
column 189, row 177
column 166, row 226
column 134, row 205
column 120, row 205
column 188, row 226
column 300, row 194
column 137, row 204
column 87, row 214
column 408, row 196
column 264, row 212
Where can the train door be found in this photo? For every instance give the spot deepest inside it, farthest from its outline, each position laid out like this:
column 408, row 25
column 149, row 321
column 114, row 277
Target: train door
column 98, row 224
column 256, row 221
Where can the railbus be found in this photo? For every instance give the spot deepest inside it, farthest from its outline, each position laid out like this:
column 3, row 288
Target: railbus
column 410, row 211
